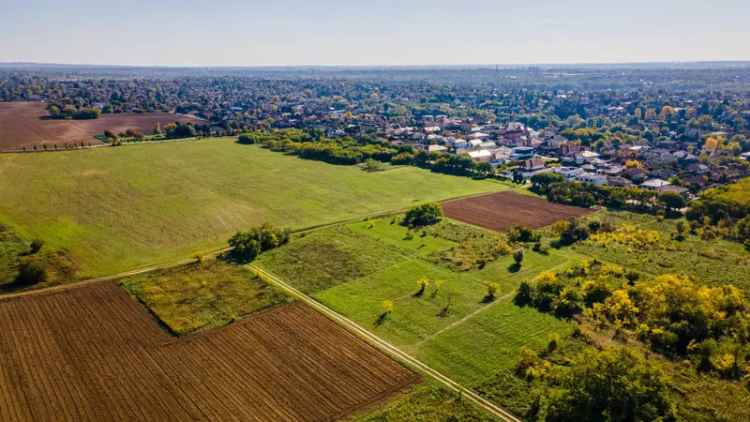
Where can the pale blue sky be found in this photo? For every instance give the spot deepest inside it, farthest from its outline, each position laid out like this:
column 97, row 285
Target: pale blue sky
column 387, row 32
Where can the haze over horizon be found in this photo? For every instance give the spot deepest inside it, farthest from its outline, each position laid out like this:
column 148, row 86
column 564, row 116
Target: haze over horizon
column 376, row 33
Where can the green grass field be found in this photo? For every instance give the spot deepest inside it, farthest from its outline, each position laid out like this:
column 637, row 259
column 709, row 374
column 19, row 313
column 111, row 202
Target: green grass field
column 119, row 208
column 426, row 402
column 450, row 326
column 195, row 297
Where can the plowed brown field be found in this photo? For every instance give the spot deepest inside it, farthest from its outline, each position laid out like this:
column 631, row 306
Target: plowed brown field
column 21, row 125
column 503, row 210
column 92, row 353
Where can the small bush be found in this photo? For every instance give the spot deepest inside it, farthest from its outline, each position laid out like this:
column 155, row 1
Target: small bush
column 36, row 246
column 553, row 343
column 523, row 234
column 388, row 307
column 31, row 273
column 246, row 139
column 491, row 295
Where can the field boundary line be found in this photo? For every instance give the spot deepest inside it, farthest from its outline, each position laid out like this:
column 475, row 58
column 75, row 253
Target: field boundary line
column 385, row 346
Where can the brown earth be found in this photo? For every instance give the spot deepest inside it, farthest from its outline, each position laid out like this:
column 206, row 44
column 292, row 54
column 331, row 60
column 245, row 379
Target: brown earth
column 93, row 353
column 21, row 124
column 503, row 210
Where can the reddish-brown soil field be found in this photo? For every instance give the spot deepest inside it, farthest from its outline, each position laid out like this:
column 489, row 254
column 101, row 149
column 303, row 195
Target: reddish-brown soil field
column 503, row 210
column 21, row 125
column 93, row 353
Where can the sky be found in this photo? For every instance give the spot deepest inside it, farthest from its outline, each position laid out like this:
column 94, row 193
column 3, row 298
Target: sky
column 373, row 32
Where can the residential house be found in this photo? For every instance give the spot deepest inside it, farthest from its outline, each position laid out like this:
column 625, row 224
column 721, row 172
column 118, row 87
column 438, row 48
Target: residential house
column 655, row 184
column 480, row 156
column 522, row 153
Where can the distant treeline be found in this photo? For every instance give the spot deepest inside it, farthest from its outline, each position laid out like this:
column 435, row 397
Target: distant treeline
column 72, row 113
column 557, row 189
column 348, row 151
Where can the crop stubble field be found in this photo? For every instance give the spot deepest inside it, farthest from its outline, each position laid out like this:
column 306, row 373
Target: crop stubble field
column 92, row 353
column 503, row 210
column 21, row 125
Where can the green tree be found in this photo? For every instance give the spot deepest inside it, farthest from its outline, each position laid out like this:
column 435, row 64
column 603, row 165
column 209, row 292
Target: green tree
column 492, row 289
column 518, row 257
column 610, row 385
column 246, row 246
column 423, row 215
column 246, row 139
column 671, row 200
column 540, row 182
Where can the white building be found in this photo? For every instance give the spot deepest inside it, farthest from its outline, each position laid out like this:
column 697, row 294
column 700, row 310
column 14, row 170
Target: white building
column 655, row 184
column 481, row 156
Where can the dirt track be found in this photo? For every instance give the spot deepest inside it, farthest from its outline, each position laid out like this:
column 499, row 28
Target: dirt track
column 92, row 353
column 503, row 210
column 20, row 125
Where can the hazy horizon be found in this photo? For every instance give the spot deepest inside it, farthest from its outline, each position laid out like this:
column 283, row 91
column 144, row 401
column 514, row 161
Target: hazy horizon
column 383, row 66
column 384, row 33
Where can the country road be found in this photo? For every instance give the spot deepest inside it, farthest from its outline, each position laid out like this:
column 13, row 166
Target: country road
column 385, row 346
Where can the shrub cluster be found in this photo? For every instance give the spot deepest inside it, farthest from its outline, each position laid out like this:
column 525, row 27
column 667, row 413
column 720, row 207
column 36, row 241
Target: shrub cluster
column 723, row 211
column 675, row 316
column 246, row 246
column 556, row 189
column 612, row 384
column 523, row 234
column 423, row 215
column 568, row 293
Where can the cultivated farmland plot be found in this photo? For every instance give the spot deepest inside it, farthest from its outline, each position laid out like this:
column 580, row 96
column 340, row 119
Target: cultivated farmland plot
column 504, row 210
column 21, row 126
column 92, row 353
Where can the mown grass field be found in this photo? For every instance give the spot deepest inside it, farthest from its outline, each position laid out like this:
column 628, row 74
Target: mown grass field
column 451, row 326
column 119, row 208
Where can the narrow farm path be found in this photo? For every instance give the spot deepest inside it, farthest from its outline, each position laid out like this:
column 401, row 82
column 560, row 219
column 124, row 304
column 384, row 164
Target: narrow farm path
column 471, row 315
column 467, row 317
column 385, row 346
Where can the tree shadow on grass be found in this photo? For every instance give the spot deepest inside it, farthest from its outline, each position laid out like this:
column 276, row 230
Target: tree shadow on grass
column 444, row 312
column 488, row 298
column 381, row 319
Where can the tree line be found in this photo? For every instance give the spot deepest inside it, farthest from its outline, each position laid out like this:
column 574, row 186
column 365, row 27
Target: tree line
column 557, row 189
column 348, row 151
